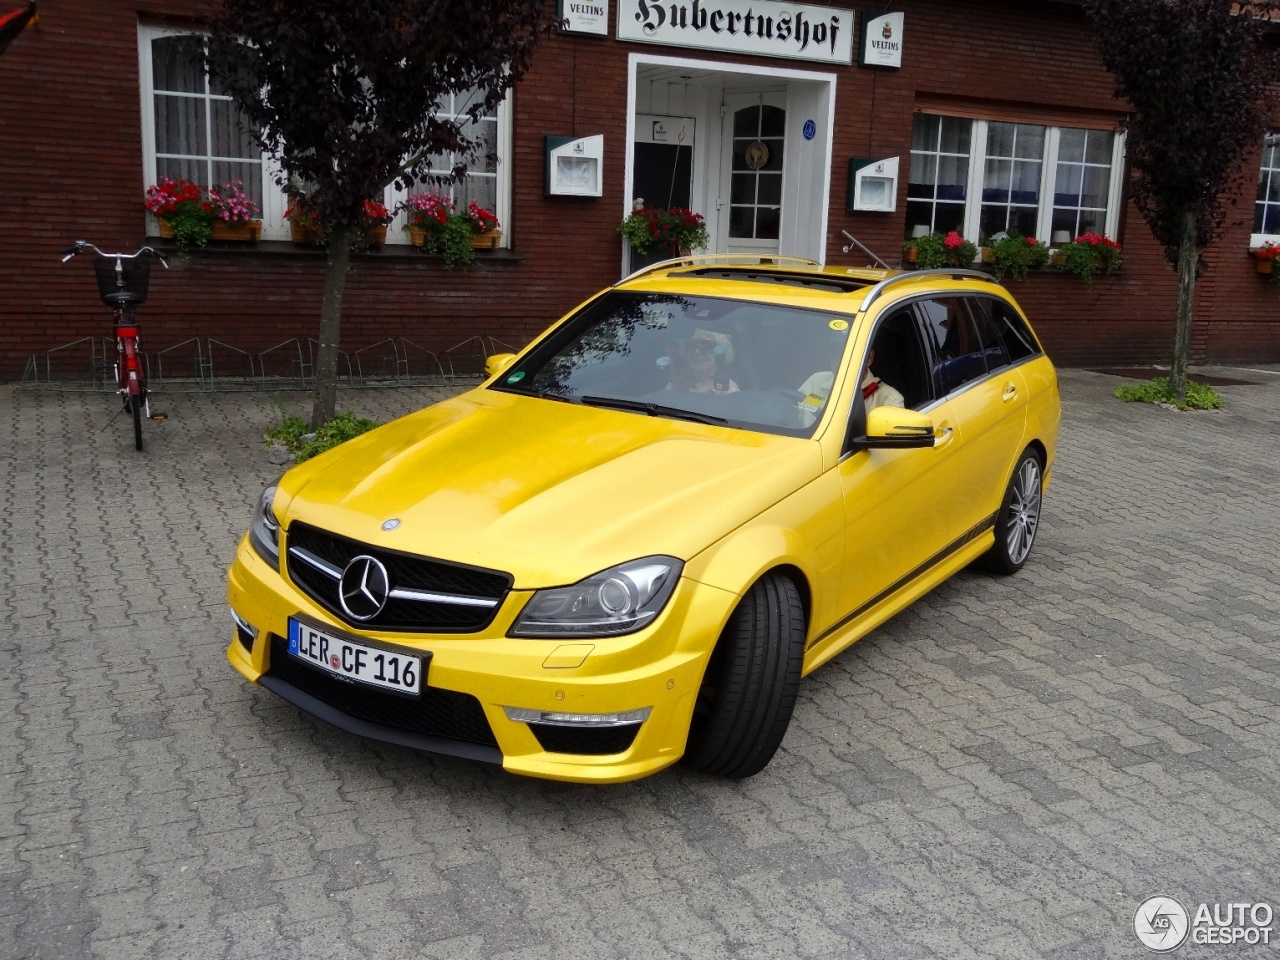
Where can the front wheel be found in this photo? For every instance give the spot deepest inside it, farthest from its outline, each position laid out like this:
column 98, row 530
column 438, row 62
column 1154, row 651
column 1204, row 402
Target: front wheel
column 1019, row 517
column 749, row 690
column 136, row 403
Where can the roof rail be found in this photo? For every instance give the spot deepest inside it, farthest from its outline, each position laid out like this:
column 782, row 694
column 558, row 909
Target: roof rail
column 746, row 259
column 955, row 273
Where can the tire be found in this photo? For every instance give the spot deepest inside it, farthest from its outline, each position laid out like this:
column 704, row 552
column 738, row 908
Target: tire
column 1019, row 517
column 749, row 689
column 136, row 402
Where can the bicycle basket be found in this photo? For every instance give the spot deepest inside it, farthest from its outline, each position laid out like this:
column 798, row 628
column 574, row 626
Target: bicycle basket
column 129, row 286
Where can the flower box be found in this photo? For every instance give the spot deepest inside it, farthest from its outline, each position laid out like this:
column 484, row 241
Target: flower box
column 245, row 231
column 486, row 241
column 909, row 254
column 166, row 230
column 377, row 236
column 1263, row 266
column 300, row 233
column 417, row 236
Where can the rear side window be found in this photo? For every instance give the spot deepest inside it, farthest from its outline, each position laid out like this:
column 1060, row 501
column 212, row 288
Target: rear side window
column 988, row 337
column 957, row 350
column 1018, row 341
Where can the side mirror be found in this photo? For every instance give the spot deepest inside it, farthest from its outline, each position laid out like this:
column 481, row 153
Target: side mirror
column 497, row 363
column 893, row 428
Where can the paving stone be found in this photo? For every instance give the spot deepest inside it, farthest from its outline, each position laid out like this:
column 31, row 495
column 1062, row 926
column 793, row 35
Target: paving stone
column 1006, row 769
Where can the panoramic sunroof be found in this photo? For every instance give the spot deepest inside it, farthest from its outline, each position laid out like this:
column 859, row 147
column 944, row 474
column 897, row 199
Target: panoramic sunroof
column 809, row 280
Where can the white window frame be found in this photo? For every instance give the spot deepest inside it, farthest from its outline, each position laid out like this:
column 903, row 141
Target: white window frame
column 1048, row 174
column 1261, row 239
column 274, row 201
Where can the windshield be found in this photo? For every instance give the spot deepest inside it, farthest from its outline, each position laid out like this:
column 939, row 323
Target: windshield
column 755, row 366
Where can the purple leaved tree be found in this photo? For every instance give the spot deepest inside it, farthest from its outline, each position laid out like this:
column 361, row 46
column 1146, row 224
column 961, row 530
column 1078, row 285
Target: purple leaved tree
column 1197, row 74
column 343, row 94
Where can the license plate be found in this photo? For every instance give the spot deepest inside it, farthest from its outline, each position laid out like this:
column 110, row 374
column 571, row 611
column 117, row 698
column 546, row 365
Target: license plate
column 354, row 661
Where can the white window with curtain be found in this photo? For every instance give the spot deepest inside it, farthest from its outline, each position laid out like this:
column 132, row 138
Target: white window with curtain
column 1266, row 211
column 982, row 177
column 191, row 129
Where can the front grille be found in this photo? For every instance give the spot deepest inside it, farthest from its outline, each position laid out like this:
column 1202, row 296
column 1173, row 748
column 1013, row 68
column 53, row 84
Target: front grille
column 404, row 571
column 595, row 741
column 435, row 712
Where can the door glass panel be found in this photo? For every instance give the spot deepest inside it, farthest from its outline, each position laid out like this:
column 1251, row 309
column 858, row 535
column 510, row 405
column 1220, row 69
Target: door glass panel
column 756, row 167
column 955, row 343
column 770, row 188
column 773, row 121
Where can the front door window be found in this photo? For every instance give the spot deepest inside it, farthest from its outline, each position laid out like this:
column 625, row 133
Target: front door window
column 756, row 138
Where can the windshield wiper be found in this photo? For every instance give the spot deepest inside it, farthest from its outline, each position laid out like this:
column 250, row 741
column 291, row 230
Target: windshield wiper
column 548, row 394
column 654, row 409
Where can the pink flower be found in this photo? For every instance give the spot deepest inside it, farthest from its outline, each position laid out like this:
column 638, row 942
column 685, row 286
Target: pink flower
column 952, row 240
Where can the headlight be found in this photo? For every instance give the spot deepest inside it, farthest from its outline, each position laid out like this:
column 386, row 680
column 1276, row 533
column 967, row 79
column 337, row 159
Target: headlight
column 622, row 599
column 264, row 530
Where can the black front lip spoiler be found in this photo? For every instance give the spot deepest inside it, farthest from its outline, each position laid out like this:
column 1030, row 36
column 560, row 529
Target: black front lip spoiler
column 379, row 731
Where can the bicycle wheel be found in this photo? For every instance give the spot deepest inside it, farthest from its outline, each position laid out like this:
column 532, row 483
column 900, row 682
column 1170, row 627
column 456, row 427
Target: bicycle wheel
column 136, row 402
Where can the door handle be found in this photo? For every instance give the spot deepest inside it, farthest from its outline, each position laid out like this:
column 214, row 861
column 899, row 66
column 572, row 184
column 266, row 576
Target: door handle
column 1010, row 391
column 942, row 437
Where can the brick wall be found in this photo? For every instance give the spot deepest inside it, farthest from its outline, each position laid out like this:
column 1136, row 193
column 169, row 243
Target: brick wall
column 71, row 167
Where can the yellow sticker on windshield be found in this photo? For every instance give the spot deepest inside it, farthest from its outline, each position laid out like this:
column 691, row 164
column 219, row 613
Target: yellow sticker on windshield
column 839, row 324
column 814, row 400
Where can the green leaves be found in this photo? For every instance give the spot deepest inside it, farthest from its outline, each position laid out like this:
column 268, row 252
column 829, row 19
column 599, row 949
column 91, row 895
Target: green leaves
column 1200, row 396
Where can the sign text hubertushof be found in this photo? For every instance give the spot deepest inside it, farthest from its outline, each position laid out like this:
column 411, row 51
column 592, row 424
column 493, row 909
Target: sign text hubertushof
column 761, row 27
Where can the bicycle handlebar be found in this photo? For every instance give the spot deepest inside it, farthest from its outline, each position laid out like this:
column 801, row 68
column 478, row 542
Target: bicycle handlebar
column 80, row 246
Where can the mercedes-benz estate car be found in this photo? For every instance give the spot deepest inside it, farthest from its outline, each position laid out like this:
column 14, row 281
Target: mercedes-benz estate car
column 630, row 543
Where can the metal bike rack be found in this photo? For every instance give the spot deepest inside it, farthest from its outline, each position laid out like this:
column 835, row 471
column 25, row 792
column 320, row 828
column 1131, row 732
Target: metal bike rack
column 292, row 349
column 100, row 355
column 466, row 359
column 249, row 380
column 198, row 371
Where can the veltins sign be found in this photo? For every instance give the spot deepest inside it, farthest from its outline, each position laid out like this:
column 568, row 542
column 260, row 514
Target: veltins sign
column 584, row 16
column 881, row 41
column 762, row 27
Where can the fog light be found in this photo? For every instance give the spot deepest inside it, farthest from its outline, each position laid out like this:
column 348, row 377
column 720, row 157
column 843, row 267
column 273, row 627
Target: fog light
column 555, row 719
column 245, row 631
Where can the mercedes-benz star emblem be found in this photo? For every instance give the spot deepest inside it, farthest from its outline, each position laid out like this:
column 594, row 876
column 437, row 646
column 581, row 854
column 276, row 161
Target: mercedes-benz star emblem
column 363, row 589
column 391, row 524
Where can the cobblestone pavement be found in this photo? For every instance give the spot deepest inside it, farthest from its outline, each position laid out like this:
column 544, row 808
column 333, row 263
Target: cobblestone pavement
column 1005, row 770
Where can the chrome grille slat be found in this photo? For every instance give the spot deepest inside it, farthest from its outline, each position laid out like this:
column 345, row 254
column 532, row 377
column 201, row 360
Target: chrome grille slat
column 426, row 595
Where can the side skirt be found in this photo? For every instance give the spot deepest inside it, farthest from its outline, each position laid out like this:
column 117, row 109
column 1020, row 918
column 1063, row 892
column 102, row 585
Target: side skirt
column 900, row 595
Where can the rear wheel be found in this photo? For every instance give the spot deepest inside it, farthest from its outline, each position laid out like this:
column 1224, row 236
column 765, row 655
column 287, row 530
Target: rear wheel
column 135, row 403
column 749, row 690
column 1019, row 517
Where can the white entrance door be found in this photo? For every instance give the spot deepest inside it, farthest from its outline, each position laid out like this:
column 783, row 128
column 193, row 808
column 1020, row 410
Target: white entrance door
column 750, row 201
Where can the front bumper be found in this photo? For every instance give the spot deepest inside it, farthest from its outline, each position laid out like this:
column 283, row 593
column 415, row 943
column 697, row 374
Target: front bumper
column 659, row 668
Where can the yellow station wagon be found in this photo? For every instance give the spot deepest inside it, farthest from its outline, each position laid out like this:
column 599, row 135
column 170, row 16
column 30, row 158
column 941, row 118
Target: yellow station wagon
column 629, row 544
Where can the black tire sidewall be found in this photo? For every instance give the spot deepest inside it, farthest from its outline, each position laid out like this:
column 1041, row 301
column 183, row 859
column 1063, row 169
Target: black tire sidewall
column 754, row 677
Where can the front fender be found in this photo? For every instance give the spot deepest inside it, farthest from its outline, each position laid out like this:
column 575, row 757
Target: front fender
column 805, row 531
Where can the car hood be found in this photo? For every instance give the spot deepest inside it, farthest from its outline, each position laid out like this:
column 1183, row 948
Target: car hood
column 547, row 491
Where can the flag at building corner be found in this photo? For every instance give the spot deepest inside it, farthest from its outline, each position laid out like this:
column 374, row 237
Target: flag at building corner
column 14, row 22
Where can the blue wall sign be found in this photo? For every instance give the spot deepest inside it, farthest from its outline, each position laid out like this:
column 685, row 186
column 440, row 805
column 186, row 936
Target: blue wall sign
column 810, row 129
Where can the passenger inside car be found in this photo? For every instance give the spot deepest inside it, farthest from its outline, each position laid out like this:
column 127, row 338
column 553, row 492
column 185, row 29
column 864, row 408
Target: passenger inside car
column 701, row 363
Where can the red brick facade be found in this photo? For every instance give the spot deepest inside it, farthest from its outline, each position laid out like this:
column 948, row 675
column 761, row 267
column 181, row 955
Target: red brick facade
column 71, row 167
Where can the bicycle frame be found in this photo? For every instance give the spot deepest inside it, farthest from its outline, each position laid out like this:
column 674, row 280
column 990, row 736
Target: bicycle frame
column 131, row 376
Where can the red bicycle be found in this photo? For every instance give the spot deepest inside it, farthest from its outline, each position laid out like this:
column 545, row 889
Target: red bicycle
column 122, row 284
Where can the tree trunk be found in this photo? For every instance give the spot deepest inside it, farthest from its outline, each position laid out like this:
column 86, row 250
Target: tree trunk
column 325, row 397
column 1188, row 257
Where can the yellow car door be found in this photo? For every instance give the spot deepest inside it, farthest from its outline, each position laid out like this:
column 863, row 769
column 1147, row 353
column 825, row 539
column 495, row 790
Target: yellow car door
column 988, row 398
column 896, row 507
